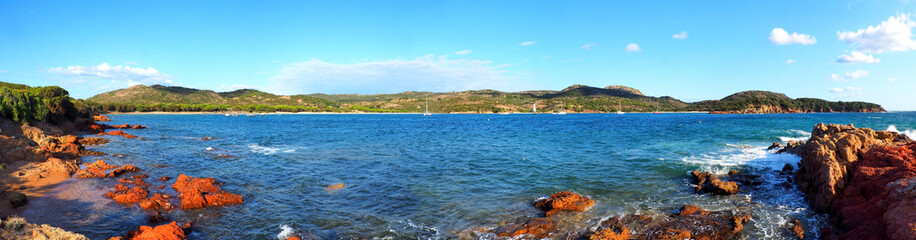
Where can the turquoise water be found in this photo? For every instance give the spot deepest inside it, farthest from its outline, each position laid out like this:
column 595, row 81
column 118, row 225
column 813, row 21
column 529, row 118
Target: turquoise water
column 440, row 177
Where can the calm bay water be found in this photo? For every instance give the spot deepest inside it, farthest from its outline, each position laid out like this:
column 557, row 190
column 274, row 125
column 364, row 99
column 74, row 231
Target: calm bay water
column 438, row 177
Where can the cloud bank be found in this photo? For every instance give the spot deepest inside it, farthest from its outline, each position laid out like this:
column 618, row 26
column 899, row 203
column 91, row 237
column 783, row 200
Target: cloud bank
column 848, row 76
column 632, row 47
column 120, row 74
column 893, row 35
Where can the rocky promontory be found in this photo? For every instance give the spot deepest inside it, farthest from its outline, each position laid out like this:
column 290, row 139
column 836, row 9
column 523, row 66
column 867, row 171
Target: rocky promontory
column 863, row 178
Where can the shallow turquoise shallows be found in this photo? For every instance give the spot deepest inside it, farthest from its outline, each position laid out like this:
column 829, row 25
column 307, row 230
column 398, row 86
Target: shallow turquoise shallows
column 442, row 176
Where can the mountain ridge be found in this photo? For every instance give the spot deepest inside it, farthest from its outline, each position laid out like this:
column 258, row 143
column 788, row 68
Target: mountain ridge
column 575, row 98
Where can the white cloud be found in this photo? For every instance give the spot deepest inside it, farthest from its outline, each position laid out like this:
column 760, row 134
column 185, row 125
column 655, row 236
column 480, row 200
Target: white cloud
column 848, row 76
column 119, row 75
column 790, row 61
column 588, row 46
column 463, row 52
column 892, row 79
column 893, row 35
column 847, row 92
column 847, row 89
column 528, row 43
column 632, row 47
column 779, row 36
column 427, row 73
column 681, row 35
column 857, row 57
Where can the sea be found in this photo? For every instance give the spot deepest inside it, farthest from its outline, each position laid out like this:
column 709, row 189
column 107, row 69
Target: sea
column 446, row 176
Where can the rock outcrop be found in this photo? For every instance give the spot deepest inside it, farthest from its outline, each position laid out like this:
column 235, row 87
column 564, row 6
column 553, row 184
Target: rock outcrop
column 863, row 178
column 710, row 183
column 16, row 228
column 564, row 201
column 690, row 222
column 120, row 133
column 169, row 231
column 537, row 228
column 101, row 118
column 202, row 192
column 828, row 155
column 99, row 169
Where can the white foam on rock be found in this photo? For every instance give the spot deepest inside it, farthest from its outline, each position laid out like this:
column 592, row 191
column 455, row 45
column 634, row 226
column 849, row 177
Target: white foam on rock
column 285, row 232
column 911, row 133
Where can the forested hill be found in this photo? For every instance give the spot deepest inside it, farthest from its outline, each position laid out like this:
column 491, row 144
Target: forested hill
column 576, row 98
column 24, row 104
column 771, row 102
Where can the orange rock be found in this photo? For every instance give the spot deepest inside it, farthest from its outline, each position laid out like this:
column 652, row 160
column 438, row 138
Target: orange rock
column 93, row 141
column 138, row 126
column 121, row 133
column 333, row 187
column 538, row 228
column 564, row 201
column 169, row 231
column 611, row 229
column 202, row 192
column 796, row 229
column 124, row 195
column 98, row 170
column 164, row 179
column 707, row 182
column 691, row 210
column 158, row 202
column 101, row 118
column 293, row 238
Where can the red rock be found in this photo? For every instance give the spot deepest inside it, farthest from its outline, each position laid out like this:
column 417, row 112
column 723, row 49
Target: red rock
column 870, row 206
column 169, row 231
column 138, row 126
column 101, row 118
column 165, row 179
column 611, row 229
column 564, row 201
column 98, row 170
column 293, row 238
column 88, row 141
column 158, row 202
column 122, row 126
column 121, row 133
column 124, row 195
column 58, row 167
column 202, row 192
column 796, row 229
column 538, row 228
column 827, row 159
column 691, row 210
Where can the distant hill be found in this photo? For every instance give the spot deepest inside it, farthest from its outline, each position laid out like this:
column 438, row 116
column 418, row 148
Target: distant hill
column 575, row 98
column 771, row 102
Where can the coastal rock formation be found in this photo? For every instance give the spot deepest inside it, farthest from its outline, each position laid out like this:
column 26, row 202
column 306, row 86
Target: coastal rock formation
column 710, row 183
column 89, row 141
column 169, row 231
column 564, row 201
column 18, row 199
column 101, row 118
column 878, row 198
column 16, row 228
column 120, row 133
column 99, row 169
column 158, row 202
column 827, row 157
column 796, row 229
column 202, row 192
column 537, row 228
column 126, row 195
column 690, row 222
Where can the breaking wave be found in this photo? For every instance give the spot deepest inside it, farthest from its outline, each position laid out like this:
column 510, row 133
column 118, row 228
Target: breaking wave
column 255, row 148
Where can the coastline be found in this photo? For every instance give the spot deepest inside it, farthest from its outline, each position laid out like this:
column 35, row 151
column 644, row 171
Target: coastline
column 371, row 113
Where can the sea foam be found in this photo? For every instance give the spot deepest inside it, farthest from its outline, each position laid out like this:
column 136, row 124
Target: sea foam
column 269, row 150
column 909, row 133
column 797, row 135
column 286, row 232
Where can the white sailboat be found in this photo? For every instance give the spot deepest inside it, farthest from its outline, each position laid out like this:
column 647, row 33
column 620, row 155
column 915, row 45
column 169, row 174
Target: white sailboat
column 619, row 107
column 535, row 108
column 426, row 113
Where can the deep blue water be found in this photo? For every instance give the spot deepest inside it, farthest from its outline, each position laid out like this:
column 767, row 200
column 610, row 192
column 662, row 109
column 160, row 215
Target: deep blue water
column 440, row 177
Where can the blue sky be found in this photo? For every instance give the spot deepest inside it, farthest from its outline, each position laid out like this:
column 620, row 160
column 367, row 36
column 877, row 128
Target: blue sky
column 837, row 50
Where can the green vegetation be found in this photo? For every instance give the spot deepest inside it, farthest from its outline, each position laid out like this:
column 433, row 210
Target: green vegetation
column 749, row 99
column 24, row 104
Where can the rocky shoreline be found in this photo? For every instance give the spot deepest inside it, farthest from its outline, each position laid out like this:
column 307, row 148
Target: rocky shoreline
column 863, row 179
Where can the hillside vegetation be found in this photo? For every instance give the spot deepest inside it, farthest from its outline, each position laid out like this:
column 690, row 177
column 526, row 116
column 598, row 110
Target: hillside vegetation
column 576, row 98
column 24, row 104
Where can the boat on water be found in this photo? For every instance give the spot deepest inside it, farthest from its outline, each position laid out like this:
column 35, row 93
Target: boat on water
column 535, row 108
column 426, row 112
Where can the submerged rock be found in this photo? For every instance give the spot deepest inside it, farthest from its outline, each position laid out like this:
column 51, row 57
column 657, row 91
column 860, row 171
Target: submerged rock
column 564, row 201
column 611, row 229
column 169, row 231
column 690, row 222
column 796, row 229
column 158, row 202
column 537, row 228
column 202, row 192
column 88, row 141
